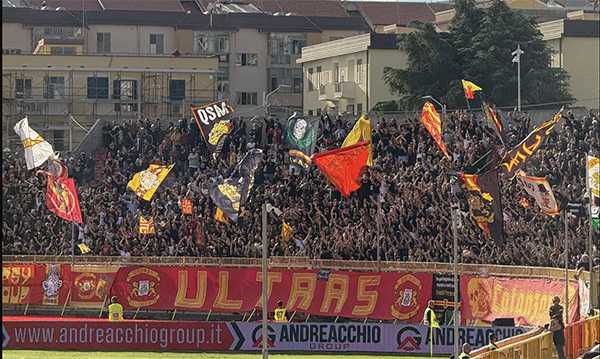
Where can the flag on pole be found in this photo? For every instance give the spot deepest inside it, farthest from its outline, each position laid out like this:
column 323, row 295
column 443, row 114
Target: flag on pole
column 515, row 158
column 361, row 132
column 230, row 194
column 214, row 124
column 36, row 149
column 430, row 118
column 300, row 138
column 540, row 190
column 286, row 232
column 494, row 118
column 186, row 206
column 146, row 182
column 470, row 89
column 485, row 203
column 146, row 225
column 343, row 166
column 593, row 177
column 84, row 248
column 62, row 200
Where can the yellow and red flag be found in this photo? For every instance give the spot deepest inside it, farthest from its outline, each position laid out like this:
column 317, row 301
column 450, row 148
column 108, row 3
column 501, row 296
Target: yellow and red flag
column 147, row 225
column 186, row 206
column 220, row 216
column 433, row 124
column 62, row 200
column 286, row 232
column 343, row 166
column 361, row 132
column 470, row 89
column 146, row 182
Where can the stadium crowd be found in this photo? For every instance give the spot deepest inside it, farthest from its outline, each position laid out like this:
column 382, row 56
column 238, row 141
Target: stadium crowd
column 409, row 178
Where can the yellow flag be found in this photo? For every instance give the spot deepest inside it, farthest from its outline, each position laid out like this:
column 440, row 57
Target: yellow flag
column 84, row 248
column 146, row 225
column 220, row 216
column 145, row 183
column 361, row 132
column 286, row 232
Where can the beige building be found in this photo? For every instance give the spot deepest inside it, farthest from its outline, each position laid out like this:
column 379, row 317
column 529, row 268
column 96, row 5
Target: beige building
column 576, row 44
column 257, row 52
column 48, row 89
column 346, row 76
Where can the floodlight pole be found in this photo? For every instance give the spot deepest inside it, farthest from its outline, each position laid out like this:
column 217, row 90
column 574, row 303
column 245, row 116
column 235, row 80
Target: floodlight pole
column 265, row 245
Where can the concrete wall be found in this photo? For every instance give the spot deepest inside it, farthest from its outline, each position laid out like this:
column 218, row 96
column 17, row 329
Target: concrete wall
column 130, row 39
column 378, row 60
column 248, row 78
column 581, row 60
column 16, row 36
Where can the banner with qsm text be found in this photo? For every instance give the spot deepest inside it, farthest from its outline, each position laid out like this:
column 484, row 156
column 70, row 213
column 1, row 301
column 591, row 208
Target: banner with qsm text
column 379, row 295
column 94, row 334
column 101, row 334
column 526, row 300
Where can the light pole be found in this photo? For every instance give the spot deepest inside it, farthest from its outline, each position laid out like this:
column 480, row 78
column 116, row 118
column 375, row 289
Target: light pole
column 266, row 98
column 454, row 208
column 265, row 247
column 517, row 58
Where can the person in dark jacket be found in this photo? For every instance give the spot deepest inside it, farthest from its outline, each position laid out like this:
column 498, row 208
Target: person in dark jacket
column 557, row 327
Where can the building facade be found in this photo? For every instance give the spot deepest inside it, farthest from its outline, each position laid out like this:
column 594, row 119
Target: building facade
column 346, row 76
column 50, row 89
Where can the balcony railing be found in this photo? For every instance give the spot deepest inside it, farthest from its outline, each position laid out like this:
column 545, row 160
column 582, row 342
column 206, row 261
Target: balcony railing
column 345, row 89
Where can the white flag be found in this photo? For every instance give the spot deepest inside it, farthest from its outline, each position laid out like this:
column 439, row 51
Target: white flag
column 593, row 175
column 37, row 150
column 539, row 188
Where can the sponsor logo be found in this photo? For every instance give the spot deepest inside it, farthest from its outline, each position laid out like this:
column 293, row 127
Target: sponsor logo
column 409, row 339
column 407, row 290
column 143, row 287
column 257, row 337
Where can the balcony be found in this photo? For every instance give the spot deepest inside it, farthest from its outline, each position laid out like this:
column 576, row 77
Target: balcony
column 345, row 90
column 326, row 92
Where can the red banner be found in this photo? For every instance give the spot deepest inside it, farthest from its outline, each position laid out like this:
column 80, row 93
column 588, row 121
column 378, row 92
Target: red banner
column 101, row 334
column 526, row 300
column 91, row 285
column 377, row 295
column 47, row 284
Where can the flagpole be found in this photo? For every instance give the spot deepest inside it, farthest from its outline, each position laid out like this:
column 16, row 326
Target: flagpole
column 72, row 244
column 566, row 266
column 455, row 269
column 590, row 234
column 265, row 348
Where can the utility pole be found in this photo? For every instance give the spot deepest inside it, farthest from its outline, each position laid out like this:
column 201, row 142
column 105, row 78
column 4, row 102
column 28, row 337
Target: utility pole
column 265, row 248
column 517, row 58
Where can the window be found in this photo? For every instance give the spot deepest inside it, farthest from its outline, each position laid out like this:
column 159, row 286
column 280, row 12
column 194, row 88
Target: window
column 23, row 88
column 274, row 83
column 157, row 44
column 359, row 71
column 211, row 42
column 54, row 87
column 297, row 84
column 247, row 98
column 351, row 70
column 247, row 60
column 359, row 108
column 125, row 90
column 97, row 87
column 309, row 77
column 350, row 109
column 103, row 42
column 318, row 112
column 59, row 50
column 177, row 90
column 310, row 112
column 59, row 140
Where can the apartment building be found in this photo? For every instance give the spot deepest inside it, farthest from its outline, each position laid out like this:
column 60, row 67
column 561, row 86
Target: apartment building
column 257, row 52
column 576, row 44
column 346, row 76
column 50, row 89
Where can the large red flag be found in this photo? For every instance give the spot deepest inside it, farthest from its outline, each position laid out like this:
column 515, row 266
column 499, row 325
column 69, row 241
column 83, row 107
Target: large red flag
column 433, row 124
column 61, row 199
column 343, row 166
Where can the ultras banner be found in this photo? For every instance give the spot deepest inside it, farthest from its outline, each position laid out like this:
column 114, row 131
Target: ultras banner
column 377, row 295
column 27, row 283
column 526, row 300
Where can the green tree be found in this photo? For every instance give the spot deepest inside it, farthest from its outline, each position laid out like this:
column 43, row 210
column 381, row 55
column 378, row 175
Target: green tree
column 478, row 47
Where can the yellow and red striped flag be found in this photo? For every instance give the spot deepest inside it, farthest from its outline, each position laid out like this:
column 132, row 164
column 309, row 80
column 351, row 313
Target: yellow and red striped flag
column 433, row 124
column 147, row 225
column 470, row 89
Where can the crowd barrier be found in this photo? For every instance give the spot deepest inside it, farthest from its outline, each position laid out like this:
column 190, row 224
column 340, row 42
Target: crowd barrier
column 580, row 336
